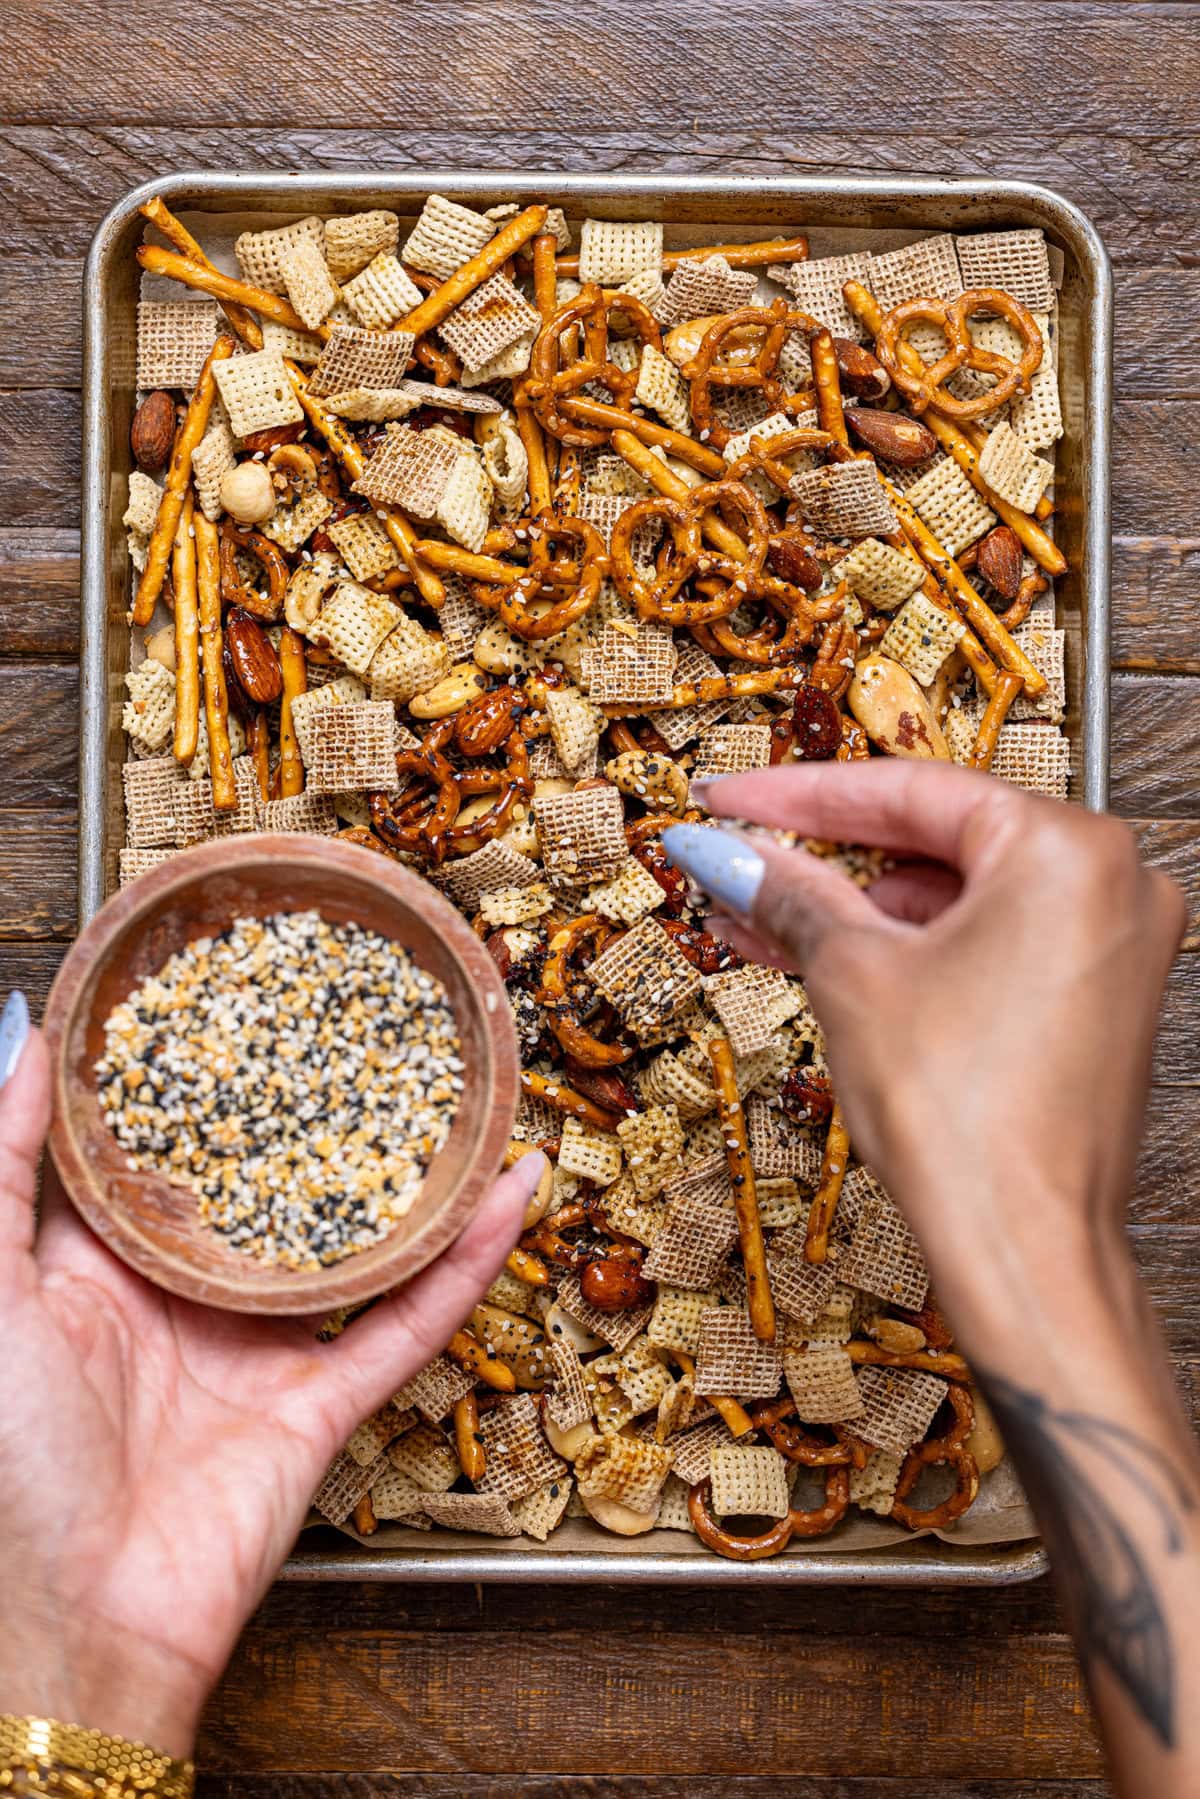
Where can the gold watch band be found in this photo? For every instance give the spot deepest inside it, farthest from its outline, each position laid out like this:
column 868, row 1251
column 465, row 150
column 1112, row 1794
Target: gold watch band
column 39, row 1755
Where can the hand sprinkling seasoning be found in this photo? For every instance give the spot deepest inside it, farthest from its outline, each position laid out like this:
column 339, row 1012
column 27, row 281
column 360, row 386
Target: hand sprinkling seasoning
column 298, row 1076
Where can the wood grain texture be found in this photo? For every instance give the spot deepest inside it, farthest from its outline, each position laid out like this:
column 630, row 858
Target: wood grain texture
column 358, row 1692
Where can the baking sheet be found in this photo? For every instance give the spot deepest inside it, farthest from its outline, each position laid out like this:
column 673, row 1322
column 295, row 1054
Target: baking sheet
column 991, row 1544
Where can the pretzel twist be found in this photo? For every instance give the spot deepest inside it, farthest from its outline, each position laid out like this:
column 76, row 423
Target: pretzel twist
column 570, row 587
column 587, row 932
column 553, row 383
column 950, row 1449
column 927, row 388
column 704, row 371
column 234, row 590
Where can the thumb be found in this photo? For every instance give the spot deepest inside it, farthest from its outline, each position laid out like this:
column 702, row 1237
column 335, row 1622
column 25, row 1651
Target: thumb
column 24, row 1121
column 789, row 899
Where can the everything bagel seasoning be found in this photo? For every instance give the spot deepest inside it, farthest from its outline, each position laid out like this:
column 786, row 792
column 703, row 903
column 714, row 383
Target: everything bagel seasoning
column 299, row 1076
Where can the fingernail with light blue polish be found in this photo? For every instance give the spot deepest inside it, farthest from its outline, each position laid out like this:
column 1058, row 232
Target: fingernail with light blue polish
column 14, row 1029
column 724, row 865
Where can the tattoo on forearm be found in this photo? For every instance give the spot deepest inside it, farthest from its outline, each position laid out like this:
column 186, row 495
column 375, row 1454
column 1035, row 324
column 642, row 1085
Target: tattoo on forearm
column 1074, row 1465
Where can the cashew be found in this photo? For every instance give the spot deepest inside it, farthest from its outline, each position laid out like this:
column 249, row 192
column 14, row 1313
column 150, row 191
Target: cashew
column 247, row 493
column 566, row 1443
column 984, row 1441
column 650, row 777
column 293, row 467
column 682, row 341
column 543, row 1193
column 617, row 1517
column 515, row 1341
column 561, row 1324
column 160, row 647
column 500, row 653
column 454, row 691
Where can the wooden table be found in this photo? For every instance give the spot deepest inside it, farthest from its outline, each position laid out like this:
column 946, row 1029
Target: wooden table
column 454, row 1691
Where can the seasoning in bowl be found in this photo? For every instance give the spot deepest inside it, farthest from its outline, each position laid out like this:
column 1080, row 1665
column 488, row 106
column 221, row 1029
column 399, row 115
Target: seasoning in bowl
column 299, row 1076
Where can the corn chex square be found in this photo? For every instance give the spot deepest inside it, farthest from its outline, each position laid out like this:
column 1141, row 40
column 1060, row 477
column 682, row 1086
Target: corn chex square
column 884, row 1258
column 148, row 716
column 617, row 1329
column 593, row 1155
column 212, row 459
column 351, row 748
column 613, row 251
column 354, row 357
column 381, row 293
column 582, row 834
column 880, row 574
column 873, row 1488
column 921, row 637
column 435, row 1389
column 732, row 1360
column 489, row 870
column 410, row 660
column 351, row 242
column 1014, row 261
column 308, row 283
column 1046, row 647
column 844, row 499
column 899, row 1405
column 822, row 1383
column 779, row 1201
column 1037, row 419
column 353, row 623
column 426, row 1455
column 261, row 254
column 676, row 1319
column 257, row 393
column 410, row 469
column 445, row 236
column 487, row 1514
column 397, row 1500
column 465, row 503
column 538, row 1512
column 731, row 749
column 663, row 389
column 505, row 367
column 703, row 286
column 748, row 1481
column 753, row 1004
column 1011, row 469
column 302, row 346
column 290, row 526
column 817, row 288
column 644, row 975
column 949, row 506
column 173, row 341
column 923, row 270
column 489, row 321
column 628, row 896
column 1034, row 756
column 363, row 545
column 653, row 1144
column 627, row 1469
column 519, row 1459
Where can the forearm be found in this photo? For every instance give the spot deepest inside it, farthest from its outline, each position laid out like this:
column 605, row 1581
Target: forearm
column 1070, row 1356
column 80, row 1670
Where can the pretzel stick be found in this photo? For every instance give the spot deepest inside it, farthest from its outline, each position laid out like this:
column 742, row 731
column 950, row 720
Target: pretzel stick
column 258, row 738
column 872, row 1356
column 745, row 1196
column 976, row 612
column 454, row 560
column 565, row 1099
column 187, row 637
column 216, row 697
column 1042, row 548
column 471, row 1354
column 463, row 282
column 346, row 449
column 295, row 682
column 179, row 474
column 738, row 256
column 995, row 712
column 223, row 287
column 830, row 416
column 664, row 480
column 736, row 1416
column 365, row 1521
column 713, row 687
column 160, row 214
column 829, row 1189
column 675, row 443
column 527, row 1267
column 531, row 433
column 472, row 1456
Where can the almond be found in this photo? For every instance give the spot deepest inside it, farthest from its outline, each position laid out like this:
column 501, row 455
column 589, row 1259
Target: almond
column 254, row 661
column 891, row 436
column 860, row 373
column 1000, row 559
column 152, row 432
column 794, row 562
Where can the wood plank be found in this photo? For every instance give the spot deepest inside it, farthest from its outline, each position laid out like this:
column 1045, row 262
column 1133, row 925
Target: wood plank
column 1098, row 63
column 39, row 459
column 32, row 967
column 1133, row 182
column 1156, row 743
column 37, row 875
column 39, row 734
column 626, row 1786
column 39, row 593
column 382, row 1701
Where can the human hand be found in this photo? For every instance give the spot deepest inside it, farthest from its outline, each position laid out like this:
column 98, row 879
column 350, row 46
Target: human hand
column 989, row 1006
column 158, row 1458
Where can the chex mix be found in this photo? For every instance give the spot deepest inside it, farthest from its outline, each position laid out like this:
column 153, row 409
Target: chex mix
column 482, row 540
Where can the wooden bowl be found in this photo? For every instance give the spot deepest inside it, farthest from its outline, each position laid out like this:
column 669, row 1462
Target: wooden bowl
column 155, row 1226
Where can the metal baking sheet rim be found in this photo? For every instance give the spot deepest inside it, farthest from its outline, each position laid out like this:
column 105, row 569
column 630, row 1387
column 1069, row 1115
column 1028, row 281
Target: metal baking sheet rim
column 925, row 1563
